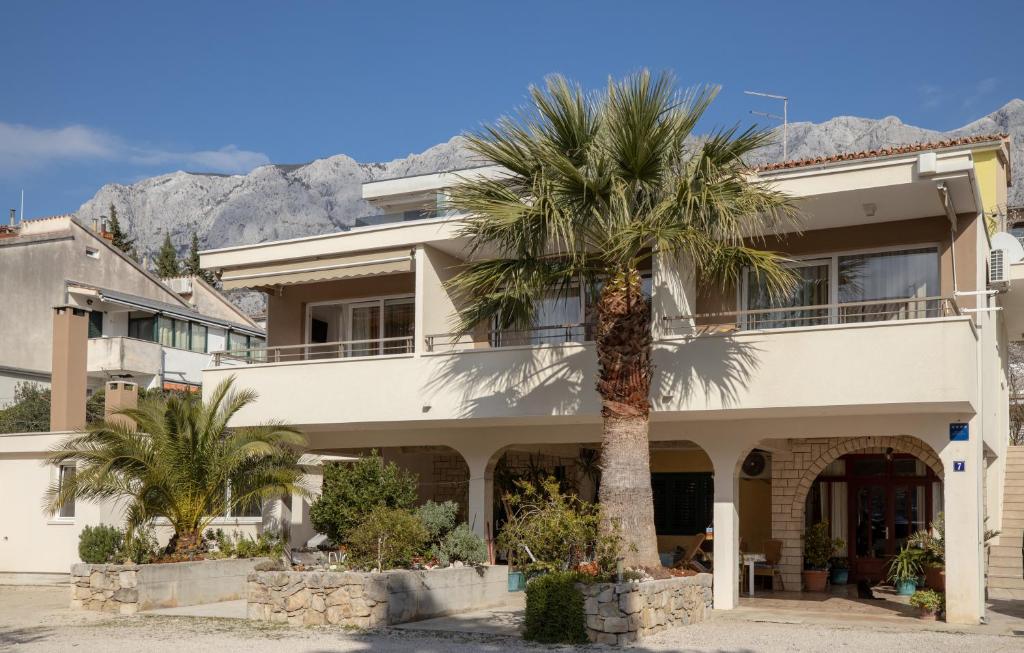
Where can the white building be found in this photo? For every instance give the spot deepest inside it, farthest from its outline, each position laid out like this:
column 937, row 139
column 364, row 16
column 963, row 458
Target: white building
column 847, row 394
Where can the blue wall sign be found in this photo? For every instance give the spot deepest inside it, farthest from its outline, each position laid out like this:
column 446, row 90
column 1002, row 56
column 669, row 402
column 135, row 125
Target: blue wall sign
column 959, row 465
column 958, row 432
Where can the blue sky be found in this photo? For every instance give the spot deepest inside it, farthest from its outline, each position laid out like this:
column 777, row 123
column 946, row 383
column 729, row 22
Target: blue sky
column 97, row 92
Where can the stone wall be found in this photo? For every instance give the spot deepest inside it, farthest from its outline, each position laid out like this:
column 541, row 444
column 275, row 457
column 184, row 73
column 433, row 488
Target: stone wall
column 105, row 588
column 126, row 589
column 622, row 613
column 797, row 463
column 369, row 600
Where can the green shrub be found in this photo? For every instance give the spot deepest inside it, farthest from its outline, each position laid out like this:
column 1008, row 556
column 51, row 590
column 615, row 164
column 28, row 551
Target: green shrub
column 461, row 545
column 438, row 518
column 559, row 530
column 387, row 538
column 352, row 490
column 554, row 610
column 819, row 545
column 239, row 545
column 929, row 600
column 99, row 545
column 140, row 547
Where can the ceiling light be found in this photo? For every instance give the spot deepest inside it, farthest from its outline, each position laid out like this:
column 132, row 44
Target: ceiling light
column 869, row 209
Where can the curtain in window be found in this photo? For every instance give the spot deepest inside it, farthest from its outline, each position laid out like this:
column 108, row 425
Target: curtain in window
column 839, row 513
column 811, row 289
column 365, row 326
column 555, row 310
column 889, row 275
column 198, row 338
column 66, row 475
column 165, row 331
column 181, row 334
column 399, row 322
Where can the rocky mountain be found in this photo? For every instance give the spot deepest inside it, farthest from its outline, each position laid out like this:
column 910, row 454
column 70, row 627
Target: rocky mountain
column 287, row 201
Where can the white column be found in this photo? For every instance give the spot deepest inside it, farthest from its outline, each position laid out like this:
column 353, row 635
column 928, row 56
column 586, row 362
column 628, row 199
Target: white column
column 481, row 496
column 727, row 533
column 418, row 301
column 674, row 292
column 300, row 528
column 964, row 504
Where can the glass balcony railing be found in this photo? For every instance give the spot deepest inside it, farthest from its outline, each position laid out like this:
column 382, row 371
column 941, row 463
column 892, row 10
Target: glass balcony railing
column 390, row 218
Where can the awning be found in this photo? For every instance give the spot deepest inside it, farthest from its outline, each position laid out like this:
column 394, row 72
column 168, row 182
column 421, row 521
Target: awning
column 319, row 269
column 172, row 310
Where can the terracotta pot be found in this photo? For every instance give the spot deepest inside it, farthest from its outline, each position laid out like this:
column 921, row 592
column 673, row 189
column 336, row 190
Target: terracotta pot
column 927, row 615
column 815, row 580
column 935, row 578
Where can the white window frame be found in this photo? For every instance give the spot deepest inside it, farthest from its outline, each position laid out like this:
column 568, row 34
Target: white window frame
column 803, row 260
column 346, row 319
column 58, row 479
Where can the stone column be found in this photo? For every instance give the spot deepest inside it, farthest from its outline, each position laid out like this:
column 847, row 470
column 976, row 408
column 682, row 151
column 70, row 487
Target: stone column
column 964, row 497
column 69, row 367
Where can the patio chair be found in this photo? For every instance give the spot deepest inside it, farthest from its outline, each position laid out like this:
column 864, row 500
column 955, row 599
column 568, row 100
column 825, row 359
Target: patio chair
column 770, row 567
column 686, row 561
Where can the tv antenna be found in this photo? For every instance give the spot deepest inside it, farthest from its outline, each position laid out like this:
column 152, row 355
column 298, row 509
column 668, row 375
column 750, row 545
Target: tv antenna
column 784, row 117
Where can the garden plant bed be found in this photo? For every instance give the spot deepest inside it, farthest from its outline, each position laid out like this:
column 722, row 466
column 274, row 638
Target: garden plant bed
column 127, row 589
column 370, row 600
column 622, row 613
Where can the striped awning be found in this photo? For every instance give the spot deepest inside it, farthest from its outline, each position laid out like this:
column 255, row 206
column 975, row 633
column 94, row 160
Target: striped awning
column 365, row 264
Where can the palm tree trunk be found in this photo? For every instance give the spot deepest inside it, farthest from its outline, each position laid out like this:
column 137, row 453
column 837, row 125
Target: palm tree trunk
column 623, row 342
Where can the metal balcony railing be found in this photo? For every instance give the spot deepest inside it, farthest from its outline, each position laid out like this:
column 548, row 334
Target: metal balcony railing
column 315, row 351
column 540, row 335
column 885, row 310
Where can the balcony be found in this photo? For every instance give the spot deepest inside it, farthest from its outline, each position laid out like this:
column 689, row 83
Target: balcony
column 917, row 358
column 123, row 355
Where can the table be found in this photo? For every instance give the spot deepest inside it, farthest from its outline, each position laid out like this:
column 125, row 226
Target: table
column 751, row 559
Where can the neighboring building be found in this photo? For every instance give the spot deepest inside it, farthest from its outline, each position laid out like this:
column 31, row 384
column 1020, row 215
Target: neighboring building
column 158, row 334
column 873, row 397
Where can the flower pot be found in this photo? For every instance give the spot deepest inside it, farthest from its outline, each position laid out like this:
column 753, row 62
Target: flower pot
column 815, row 580
column 927, row 615
column 516, row 581
column 935, row 578
column 906, row 587
column 839, row 576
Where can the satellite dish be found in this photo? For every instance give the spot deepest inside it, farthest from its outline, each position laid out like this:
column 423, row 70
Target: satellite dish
column 1013, row 250
column 754, row 464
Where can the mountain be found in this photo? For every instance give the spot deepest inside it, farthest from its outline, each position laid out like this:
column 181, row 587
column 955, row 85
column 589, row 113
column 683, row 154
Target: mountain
column 288, row 201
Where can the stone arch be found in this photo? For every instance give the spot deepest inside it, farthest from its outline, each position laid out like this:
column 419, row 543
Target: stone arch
column 794, row 471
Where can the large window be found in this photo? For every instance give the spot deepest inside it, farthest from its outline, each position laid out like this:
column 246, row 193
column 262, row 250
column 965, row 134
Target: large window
column 683, row 503
column 197, row 338
column 95, row 324
column 366, row 327
column 844, row 288
column 142, row 328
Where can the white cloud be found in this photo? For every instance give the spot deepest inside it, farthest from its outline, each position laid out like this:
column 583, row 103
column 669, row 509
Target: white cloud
column 25, row 147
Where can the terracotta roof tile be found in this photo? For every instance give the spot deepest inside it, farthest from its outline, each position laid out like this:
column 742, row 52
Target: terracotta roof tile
column 880, row 152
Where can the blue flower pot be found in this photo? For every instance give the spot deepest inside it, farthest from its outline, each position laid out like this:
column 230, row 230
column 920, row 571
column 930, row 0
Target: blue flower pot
column 906, row 587
column 516, row 581
column 840, row 576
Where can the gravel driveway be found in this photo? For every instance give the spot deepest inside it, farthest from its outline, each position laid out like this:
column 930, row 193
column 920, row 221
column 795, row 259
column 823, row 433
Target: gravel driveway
column 37, row 620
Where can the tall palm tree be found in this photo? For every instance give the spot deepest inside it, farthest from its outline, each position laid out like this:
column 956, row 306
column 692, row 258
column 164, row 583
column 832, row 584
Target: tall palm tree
column 179, row 460
column 596, row 184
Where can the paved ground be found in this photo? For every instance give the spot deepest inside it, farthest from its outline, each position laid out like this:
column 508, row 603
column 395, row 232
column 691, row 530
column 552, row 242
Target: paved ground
column 36, row 620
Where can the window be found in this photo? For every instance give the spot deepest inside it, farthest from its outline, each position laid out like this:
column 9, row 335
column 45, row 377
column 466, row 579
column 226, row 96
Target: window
column 237, row 341
column 197, row 337
column 142, row 328
column 252, row 508
column 369, row 327
column 165, row 331
column 66, row 475
column 95, row 324
column 683, row 503
column 867, row 287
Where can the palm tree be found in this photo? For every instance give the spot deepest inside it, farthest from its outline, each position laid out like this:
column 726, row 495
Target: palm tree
column 595, row 185
column 178, row 459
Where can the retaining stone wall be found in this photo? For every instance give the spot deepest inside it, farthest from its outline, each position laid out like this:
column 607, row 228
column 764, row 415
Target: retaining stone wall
column 623, row 613
column 105, row 588
column 370, row 600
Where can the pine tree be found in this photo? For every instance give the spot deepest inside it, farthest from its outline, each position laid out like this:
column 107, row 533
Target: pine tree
column 192, row 266
column 119, row 237
column 167, row 260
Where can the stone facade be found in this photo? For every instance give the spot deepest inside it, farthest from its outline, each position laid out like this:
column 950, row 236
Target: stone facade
column 623, row 613
column 795, row 465
column 370, row 600
column 105, row 588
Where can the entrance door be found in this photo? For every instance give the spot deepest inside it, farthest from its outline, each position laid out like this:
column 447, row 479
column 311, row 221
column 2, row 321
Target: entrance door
column 870, row 549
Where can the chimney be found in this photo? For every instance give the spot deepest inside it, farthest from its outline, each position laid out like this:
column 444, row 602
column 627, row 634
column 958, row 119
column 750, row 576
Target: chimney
column 70, row 356
column 14, row 216
column 120, row 395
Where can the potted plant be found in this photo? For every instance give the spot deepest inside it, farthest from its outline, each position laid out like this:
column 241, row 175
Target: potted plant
column 932, row 542
column 818, row 548
column 904, row 569
column 929, row 602
column 839, row 570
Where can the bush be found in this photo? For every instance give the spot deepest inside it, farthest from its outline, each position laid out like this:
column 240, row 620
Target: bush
column 819, row 545
column 438, row 518
column 387, row 538
column 351, row 491
column 99, row 545
column 559, row 530
column 928, row 600
column 460, row 545
column 554, row 610
column 140, row 547
column 238, row 545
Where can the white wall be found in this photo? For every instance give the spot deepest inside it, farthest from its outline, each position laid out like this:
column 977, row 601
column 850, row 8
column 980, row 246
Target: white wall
column 182, row 366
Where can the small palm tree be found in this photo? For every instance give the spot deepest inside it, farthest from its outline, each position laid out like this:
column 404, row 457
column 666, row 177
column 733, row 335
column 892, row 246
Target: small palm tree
column 595, row 186
column 179, row 460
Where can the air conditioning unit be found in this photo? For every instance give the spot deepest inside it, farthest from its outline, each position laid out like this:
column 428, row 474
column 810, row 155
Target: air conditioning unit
column 757, row 465
column 998, row 269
